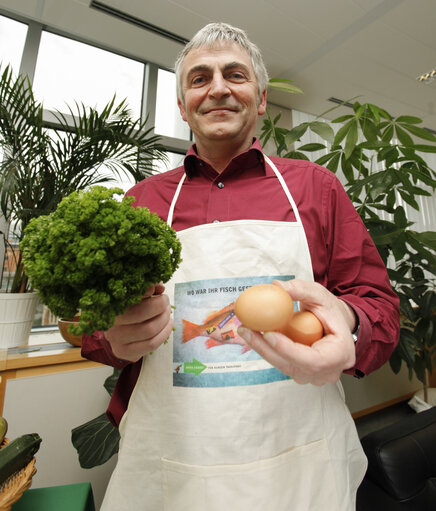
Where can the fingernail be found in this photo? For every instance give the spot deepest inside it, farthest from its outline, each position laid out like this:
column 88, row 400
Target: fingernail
column 245, row 333
column 270, row 338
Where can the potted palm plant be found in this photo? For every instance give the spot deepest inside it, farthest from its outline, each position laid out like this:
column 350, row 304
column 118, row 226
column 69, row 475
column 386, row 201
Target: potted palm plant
column 383, row 168
column 39, row 166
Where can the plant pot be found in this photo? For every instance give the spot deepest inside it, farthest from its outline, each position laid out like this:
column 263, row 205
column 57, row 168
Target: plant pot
column 17, row 311
column 64, row 325
column 418, row 401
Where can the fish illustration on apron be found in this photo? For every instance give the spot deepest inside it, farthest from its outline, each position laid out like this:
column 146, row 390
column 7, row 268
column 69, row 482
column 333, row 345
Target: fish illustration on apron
column 210, row 424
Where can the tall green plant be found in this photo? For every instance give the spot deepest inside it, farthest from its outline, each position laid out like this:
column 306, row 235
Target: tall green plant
column 39, row 167
column 380, row 157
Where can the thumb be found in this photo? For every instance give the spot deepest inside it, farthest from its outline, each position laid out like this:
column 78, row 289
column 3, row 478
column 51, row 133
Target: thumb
column 301, row 290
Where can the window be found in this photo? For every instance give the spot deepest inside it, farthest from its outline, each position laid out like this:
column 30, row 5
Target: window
column 168, row 119
column 12, row 39
column 174, row 161
column 69, row 71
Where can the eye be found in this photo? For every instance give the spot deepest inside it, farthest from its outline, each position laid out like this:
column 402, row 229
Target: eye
column 198, row 80
column 237, row 76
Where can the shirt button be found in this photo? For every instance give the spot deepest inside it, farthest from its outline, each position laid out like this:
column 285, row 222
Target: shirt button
column 220, row 185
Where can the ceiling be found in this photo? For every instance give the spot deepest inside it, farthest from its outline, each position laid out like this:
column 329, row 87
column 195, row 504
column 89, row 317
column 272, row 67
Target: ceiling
column 374, row 49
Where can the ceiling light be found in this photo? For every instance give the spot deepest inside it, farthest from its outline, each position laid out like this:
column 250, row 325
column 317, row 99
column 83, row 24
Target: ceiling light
column 427, row 77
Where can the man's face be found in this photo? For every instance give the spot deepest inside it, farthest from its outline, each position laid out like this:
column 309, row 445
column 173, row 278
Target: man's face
column 221, row 100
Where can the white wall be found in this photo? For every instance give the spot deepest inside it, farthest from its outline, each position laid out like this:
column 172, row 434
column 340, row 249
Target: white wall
column 378, row 388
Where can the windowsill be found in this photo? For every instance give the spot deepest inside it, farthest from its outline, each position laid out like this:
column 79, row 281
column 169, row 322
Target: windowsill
column 46, row 336
column 44, row 347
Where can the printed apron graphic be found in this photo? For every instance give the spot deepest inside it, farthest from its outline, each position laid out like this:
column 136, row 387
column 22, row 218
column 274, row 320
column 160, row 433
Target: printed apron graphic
column 208, row 352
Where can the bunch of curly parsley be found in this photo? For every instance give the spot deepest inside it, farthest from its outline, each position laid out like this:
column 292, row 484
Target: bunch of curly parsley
column 98, row 255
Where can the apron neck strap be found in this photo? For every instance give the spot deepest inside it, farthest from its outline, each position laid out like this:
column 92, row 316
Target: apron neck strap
column 276, row 172
column 285, row 188
column 173, row 202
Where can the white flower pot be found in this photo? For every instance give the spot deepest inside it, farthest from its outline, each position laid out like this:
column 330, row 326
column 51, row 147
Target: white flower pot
column 17, row 311
column 419, row 404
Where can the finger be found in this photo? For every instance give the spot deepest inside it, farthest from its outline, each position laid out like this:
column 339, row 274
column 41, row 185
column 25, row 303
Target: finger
column 144, row 310
column 135, row 350
column 257, row 342
column 142, row 330
column 318, row 364
column 311, row 294
column 159, row 289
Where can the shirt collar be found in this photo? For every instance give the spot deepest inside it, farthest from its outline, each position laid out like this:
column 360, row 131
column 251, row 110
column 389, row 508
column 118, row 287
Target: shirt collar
column 248, row 159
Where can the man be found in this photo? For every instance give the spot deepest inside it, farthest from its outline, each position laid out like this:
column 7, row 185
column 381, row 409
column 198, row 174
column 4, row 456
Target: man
column 219, row 416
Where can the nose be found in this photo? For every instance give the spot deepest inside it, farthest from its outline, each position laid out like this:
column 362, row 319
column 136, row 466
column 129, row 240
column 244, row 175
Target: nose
column 218, row 87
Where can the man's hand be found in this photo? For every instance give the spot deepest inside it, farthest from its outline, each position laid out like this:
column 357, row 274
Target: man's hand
column 143, row 327
column 324, row 361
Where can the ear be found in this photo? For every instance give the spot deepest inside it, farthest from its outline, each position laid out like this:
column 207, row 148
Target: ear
column 261, row 109
column 182, row 109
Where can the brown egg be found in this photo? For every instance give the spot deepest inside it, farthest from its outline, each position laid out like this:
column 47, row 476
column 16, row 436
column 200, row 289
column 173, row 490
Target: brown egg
column 264, row 307
column 303, row 327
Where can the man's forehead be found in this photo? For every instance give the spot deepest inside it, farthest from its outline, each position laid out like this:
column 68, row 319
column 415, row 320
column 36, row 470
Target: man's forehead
column 207, row 56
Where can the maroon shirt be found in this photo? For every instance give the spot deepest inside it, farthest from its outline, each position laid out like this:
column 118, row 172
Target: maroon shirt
column 344, row 258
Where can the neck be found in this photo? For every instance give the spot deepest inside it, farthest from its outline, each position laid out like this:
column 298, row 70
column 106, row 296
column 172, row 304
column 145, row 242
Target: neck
column 219, row 155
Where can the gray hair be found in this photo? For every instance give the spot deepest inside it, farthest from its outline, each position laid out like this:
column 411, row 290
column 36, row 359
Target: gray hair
column 214, row 33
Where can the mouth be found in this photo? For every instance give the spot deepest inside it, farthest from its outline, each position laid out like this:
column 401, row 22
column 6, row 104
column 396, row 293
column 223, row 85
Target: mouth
column 218, row 110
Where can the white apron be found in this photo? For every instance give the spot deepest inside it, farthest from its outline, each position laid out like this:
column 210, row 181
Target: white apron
column 210, row 425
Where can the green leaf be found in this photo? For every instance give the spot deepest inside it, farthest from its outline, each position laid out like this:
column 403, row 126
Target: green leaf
column 342, row 132
column 334, row 162
column 408, row 119
column 296, row 155
column 406, row 308
column 409, row 199
column 342, row 118
column 419, row 368
column 311, row 147
column 423, row 148
column 378, row 112
column 347, row 168
column 395, row 361
column 399, row 247
column 284, row 85
column 391, row 199
column 369, row 130
column 417, row 274
column 296, row 133
column 407, row 346
column 360, row 110
column 375, row 113
column 324, row 130
column 111, row 381
column 388, row 134
column 428, row 304
column 322, row 160
column 351, row 140
column 419, row 173
column 414, row 240
column 427, row 238
column 383, row 232
column 420, row 132
column 95, row 441
column 403, row 136
column 400, row 217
